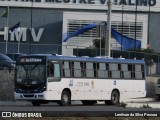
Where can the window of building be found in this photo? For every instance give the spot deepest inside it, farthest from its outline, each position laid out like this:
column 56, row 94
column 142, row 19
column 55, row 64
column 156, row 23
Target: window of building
column 128, row 29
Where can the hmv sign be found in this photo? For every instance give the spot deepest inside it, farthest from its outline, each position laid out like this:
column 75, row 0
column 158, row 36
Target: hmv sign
column 21, row 34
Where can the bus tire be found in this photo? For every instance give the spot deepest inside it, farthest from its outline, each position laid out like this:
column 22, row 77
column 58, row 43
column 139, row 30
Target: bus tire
column 115, row 97
column 65, row 98
column 36, row 103
column 88, row 102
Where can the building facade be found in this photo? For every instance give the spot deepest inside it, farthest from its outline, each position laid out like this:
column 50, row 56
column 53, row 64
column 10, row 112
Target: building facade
column 46, row 23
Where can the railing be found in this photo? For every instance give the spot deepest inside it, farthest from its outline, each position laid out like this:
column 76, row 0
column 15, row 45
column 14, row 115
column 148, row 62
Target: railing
column 152, row 60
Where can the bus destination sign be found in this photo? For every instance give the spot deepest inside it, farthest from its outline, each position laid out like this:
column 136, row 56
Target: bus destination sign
column 22, row 60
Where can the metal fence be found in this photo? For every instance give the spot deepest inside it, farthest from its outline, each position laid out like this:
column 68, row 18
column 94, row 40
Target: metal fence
column 152, row 60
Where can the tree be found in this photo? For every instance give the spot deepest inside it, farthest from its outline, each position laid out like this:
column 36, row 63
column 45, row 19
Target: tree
column 96, row 43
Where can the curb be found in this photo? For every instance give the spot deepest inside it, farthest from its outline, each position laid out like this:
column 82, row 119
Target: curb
column 10, row 103
column 130, row 103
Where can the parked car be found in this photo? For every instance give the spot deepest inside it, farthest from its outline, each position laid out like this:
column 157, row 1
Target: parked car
column 6, row 62
column 14, row 56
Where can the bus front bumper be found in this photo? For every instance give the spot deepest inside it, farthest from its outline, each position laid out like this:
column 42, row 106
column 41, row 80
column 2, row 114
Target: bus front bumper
column 38, row 96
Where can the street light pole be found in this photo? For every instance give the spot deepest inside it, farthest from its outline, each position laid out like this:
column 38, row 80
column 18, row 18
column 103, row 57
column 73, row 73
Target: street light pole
column 30, row 41
column 122, row 28
column 135, row 27
column 108, row 30
column 148, row 42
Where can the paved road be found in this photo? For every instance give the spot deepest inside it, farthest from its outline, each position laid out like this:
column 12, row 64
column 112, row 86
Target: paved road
column 79, row 110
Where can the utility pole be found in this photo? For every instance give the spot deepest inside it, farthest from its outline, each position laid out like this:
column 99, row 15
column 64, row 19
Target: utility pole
column 30, row 41
column 108, row 30
column 148, row 42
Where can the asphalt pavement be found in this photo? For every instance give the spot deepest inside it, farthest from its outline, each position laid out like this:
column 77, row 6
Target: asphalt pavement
column 130, row 103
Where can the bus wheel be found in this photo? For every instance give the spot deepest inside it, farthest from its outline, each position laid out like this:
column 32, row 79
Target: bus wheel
column 36, row 103
column 65, row 98
column 115, row 97
column 88, row 102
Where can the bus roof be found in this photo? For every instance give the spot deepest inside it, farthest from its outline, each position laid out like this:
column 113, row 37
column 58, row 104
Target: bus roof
column 86, row 59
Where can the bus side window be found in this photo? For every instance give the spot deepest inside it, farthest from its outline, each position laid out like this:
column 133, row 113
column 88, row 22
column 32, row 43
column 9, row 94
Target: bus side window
column 142, row 67
column 83, row 69
column 77, row 69
column 138, row 72
column 125, row 71
column 56, row 70
column 66, row 69
column 50, row 70
column 102, row 72
column 71, row 67
column 131, row 69
column 115, row 73
column 89, row 70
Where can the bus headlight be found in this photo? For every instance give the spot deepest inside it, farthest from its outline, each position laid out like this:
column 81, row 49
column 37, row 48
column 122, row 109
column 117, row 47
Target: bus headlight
column 42, row 89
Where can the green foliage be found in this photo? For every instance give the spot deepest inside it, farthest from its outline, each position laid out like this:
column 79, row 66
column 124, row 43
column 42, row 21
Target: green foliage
column 96, row 43
column 148, row 50
column 122, row 104
column 146, row 106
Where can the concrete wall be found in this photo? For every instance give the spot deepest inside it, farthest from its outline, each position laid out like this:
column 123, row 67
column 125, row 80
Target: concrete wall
column 151, row 86
column 7, row 85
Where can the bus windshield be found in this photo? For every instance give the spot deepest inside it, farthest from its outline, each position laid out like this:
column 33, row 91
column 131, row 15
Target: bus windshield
column 30, row 75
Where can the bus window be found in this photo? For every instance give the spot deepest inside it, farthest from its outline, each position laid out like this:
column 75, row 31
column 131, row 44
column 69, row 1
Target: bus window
column 56, row 70
column 50, row 70
column 95, row 69
column 139, row 72
column 102, row 72
column 125, row 71
column 83, row 69
column 77, row 69
column 89, row 69
column 131, row 68
column 66, row 69
column 115, row 73
column 71, row 67
column 53, row 70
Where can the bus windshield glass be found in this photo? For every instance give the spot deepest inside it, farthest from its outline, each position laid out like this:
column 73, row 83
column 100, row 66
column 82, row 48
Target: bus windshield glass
column 30, row 75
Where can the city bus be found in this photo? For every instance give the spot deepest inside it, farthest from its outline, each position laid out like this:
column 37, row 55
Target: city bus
column 43, row 78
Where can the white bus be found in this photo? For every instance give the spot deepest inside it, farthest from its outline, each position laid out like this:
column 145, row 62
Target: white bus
column 45, row 78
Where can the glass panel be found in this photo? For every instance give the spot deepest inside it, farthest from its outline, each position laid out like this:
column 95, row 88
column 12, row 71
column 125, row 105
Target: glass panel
column 89, row 70
column 77, row 69
column 113, row 66
column 102, row 66
column 30, row 74
column 56, row 70
column 66, row 69
column 115, row 74
column 138, row 75
column 137, row 67
column 124, row 67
